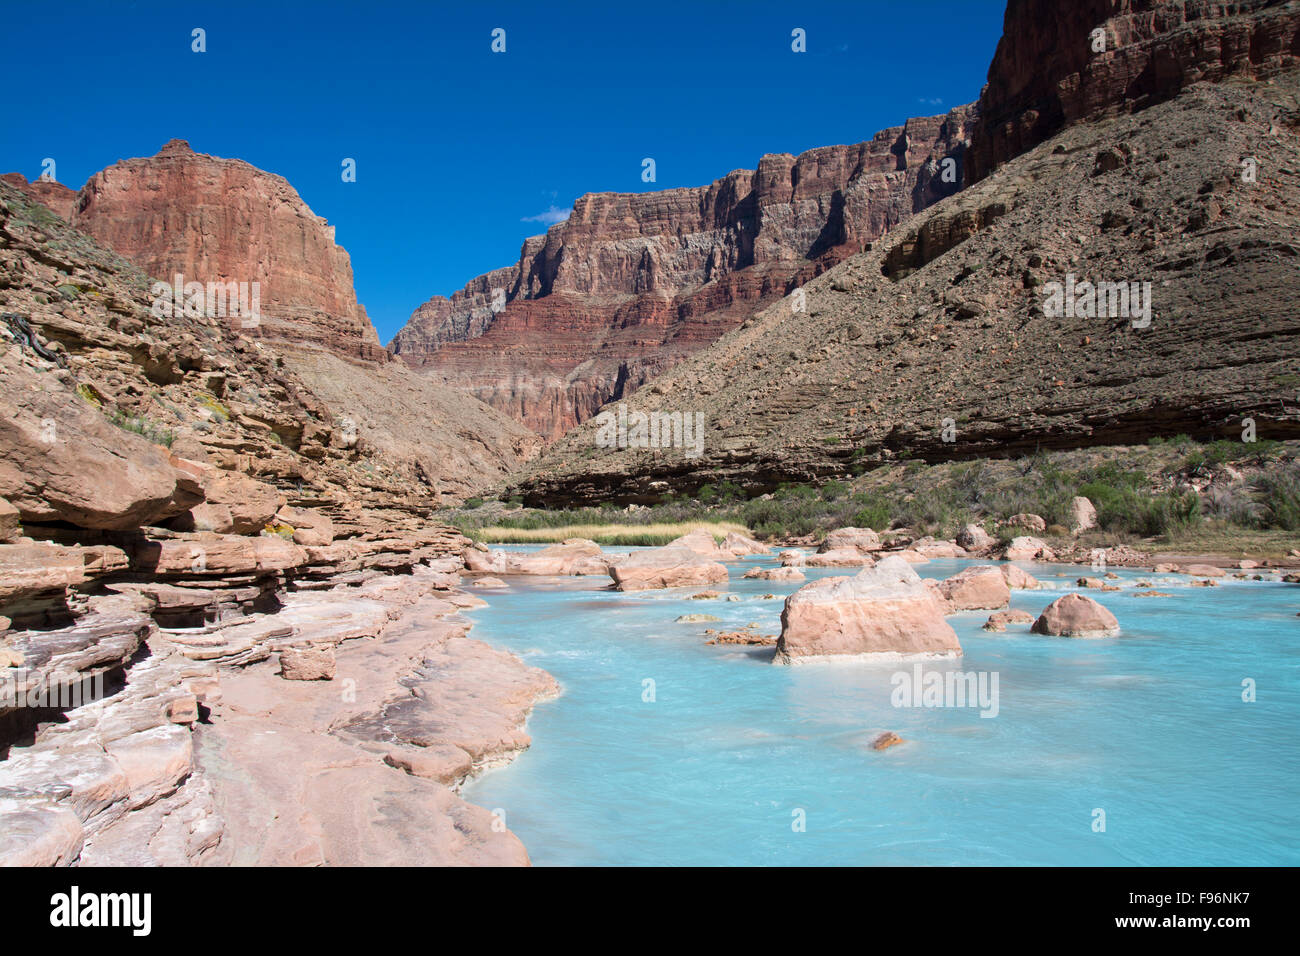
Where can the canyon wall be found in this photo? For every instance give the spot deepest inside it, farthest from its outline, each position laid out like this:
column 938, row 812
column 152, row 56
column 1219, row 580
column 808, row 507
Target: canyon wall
column 631, row 284
column 1122, row 165
column 1052, row 68
column 224, row 220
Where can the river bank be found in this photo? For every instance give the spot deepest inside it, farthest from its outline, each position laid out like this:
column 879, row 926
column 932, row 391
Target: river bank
column 337, row 729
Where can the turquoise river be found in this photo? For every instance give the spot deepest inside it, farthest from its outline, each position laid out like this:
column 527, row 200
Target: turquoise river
column 664, row 750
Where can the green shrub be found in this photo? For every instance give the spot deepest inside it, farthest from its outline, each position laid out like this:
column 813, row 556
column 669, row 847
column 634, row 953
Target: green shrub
column 1280, row 498
column 143, row 427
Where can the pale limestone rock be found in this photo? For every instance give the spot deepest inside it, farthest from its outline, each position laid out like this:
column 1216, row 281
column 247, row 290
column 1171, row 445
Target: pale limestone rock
column 1075, row 615
column 982, row 587
column 885, row 609
column 667, row 567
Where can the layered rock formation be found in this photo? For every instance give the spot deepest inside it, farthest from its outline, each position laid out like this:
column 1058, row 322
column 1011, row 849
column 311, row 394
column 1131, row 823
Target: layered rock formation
column 218, row 220
column 631, row 284
column 943, row 342
column 177, row 507
column 224, row 220
column 1059, row 63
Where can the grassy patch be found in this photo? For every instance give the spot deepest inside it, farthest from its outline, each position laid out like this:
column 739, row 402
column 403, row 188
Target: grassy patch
column 627, row 535
column 144, row 427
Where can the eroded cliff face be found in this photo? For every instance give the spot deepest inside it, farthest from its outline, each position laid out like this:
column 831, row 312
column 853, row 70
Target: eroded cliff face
column 56, row 197
column 224, row 220
column 631, row 284
column 1115, row 166
column 1052, row 68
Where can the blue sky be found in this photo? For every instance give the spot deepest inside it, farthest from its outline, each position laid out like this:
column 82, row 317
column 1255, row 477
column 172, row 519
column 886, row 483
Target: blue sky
column 461, row 152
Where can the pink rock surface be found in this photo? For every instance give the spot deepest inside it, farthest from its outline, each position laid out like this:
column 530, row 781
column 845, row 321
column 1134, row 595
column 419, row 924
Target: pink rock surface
column 666, row 568
column 1075, row 615
column 863, row 539
column 982, row 587
column 885, row 609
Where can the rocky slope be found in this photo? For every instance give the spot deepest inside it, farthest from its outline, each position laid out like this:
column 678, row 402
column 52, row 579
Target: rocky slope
column 631, row 284
column 940, row 341
column 220, row 220
column 55, row 196
column 177, row 507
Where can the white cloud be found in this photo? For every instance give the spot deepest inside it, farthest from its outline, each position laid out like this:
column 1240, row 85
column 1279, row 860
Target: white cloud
column 550, row 217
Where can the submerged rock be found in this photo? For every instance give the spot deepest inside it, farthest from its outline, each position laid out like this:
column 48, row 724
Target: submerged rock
column 884, row 741
column 775, row 574
column 998, row 621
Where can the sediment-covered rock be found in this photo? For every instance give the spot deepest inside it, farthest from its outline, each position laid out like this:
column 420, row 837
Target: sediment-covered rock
column 1075, row 615
column 665, row 568
column 861, row 539
column 982, row 587
column 775, row 574
column 882, row 610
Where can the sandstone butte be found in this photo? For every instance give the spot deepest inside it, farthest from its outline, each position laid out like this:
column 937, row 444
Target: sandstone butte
column 215, row 520
column 223, row 220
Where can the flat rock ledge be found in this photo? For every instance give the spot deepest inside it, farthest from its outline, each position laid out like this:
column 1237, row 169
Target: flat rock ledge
column 335, row 730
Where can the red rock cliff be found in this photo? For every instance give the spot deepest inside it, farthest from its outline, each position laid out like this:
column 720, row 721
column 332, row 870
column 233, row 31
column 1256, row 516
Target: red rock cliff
column 223, row 220
column 1049, row 72
column 631, row 284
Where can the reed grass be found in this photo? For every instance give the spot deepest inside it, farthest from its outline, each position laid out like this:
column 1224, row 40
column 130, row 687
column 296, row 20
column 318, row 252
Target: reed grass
column 627, row 535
